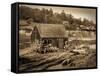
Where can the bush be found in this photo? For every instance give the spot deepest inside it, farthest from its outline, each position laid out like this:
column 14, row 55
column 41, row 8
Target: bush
column 24, row 45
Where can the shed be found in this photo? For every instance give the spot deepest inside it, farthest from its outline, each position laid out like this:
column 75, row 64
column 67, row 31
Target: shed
column 54, row 34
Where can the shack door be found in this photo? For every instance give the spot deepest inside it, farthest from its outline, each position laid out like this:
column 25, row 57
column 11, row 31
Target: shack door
column 60, row 43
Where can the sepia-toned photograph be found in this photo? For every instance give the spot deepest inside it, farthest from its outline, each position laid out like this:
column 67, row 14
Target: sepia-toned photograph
column 56, row 37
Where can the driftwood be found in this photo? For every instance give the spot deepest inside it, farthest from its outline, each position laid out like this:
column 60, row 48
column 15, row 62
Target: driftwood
column 44, row 64
column 52, row 63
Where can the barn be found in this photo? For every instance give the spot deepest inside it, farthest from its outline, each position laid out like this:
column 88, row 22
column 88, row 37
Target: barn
column 54, row 34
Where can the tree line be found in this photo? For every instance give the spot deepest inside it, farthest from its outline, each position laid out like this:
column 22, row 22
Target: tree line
column 48, row 16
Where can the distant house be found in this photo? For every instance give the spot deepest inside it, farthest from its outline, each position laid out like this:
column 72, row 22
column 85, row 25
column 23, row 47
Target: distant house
column 54, row 34
column 25, row 31
column 88, row 28
column 24, row 25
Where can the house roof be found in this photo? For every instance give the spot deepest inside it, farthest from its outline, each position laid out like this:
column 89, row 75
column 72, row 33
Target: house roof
column 51, row 30
column 26, row 28
column 81, row 34
column 23, row 23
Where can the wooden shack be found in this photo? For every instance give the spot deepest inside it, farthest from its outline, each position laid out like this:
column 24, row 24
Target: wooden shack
column 54, row 34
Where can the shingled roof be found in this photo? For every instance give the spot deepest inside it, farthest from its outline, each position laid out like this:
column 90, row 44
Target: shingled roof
column 51, row 30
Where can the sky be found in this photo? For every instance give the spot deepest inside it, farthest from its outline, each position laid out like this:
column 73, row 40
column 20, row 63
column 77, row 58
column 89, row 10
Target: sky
column 88, row 13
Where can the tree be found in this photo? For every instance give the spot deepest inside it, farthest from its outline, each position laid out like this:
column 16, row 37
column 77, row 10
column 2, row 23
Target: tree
column 37, row 15
column 25, row 12
column 63, row 15
column 50, row 12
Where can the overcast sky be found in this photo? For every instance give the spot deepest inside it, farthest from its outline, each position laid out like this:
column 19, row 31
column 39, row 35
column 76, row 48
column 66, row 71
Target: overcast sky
column 88, row 13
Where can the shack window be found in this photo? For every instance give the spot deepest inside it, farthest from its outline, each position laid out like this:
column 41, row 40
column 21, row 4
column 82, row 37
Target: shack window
column 47, row 41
